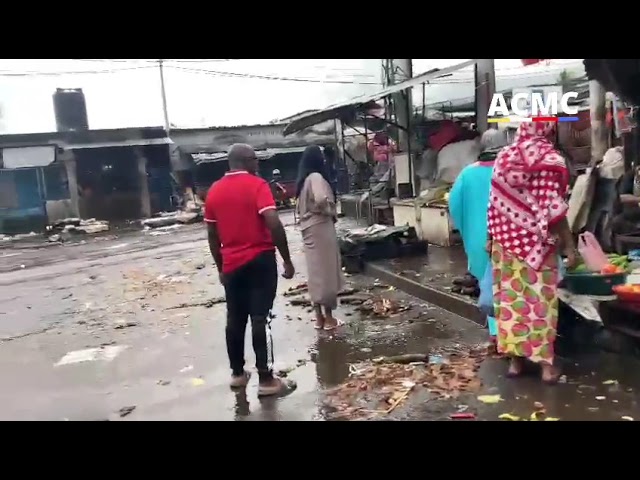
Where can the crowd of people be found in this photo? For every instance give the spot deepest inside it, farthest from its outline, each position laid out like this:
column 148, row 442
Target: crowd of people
column 510, row 208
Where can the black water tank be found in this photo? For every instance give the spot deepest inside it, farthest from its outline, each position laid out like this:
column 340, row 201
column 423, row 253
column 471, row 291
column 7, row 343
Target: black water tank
column 70, row 109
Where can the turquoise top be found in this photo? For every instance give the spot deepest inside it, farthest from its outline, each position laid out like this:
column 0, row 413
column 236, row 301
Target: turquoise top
column 468, row 205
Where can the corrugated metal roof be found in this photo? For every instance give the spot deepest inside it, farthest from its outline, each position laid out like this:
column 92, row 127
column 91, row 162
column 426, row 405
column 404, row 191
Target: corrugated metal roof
column 261, row 154
column 334, row 111
column 73, row 138
column 122, row 143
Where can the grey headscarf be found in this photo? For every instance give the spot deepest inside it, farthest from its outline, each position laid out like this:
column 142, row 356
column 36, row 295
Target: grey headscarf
column 493, row 139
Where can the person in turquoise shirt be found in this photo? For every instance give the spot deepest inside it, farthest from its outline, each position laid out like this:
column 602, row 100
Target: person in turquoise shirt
column 469, row 201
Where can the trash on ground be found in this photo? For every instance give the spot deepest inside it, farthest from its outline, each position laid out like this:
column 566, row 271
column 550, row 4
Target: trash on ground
column 601, row 397
column 164, row 383
column 403, row 359
column 462, row 416
column 188, row 368
column 207, row 303
column 610, row 382
column 124, row 411
column 173, row 218
column 297, row 290
column 121, row 323
column 490, row 399
column 382, row 307
column 436, row 359
column 627, row 418
column 510, row 417
column 196, row 382
column 378, row 387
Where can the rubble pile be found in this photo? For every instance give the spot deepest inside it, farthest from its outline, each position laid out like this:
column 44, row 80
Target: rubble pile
column 191, row 214
column 64, row 229
column 20, row 236
column 377, row 387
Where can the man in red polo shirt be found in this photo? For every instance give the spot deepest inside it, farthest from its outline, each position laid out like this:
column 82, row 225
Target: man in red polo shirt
column 243, row 227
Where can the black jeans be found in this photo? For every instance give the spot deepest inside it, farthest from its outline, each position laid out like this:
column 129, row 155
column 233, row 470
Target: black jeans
column 250, row 291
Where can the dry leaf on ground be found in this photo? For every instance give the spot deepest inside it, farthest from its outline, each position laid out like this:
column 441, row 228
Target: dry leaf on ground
column 490, row 399
column 378, row 388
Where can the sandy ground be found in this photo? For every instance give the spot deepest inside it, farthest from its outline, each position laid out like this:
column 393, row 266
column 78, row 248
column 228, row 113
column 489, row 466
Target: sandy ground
column 89, row 329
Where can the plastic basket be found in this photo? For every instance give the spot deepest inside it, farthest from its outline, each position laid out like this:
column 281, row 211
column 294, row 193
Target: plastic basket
column 593, row 283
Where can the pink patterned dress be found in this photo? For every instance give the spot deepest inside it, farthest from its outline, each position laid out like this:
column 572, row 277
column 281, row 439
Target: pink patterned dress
column 528, row 187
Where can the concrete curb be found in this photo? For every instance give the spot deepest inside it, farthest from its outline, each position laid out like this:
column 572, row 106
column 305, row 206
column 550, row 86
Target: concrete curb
column 451, row 303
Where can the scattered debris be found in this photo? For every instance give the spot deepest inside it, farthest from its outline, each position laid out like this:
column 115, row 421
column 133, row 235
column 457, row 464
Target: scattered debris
column 610, row 382
column 297, row 290
column 436, row 359
column 490, row 399
column 462, row 416
column 188, row 368
column 302, row 302
column 173, row 218
column 389, row 384
column 197, row 382
column 121, row 323
column 601, row 397
column 164, row 383
column 284, row 372
column 539, row 414
column 382, row 307
column 510, row 417
column 353, row 300
column 105, row 354
column 403, row 359
column 207, row 304
column 124, row 411
column 627, row 418
column 78, row 226
column 348, row 291
column 20, row 236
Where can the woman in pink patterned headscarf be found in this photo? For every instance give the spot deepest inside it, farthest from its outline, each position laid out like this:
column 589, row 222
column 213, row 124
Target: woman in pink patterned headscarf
column 526, row 218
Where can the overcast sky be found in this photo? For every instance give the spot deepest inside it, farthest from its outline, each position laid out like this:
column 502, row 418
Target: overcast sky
column 126, row 93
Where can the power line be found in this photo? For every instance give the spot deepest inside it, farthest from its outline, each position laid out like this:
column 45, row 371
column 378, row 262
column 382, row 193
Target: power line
column 267, row 77
column 114, row 60
column 73, row 72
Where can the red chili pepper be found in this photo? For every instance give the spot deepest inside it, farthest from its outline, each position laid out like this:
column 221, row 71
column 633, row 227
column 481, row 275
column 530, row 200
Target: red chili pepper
column 462, row 416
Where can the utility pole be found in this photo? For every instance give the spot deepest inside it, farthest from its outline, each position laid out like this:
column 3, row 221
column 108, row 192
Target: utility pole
column 597, row 107
column 485, row 80
column 401, row 70
column 167, row 125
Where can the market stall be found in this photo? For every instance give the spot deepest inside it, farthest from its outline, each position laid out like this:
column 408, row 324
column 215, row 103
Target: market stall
column 358, row 114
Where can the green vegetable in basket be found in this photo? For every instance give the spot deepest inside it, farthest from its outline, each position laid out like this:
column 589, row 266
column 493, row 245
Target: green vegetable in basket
column 581, row 268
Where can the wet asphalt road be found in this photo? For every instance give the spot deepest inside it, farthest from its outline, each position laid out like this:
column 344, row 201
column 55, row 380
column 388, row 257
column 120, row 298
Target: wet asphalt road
column 119, row 295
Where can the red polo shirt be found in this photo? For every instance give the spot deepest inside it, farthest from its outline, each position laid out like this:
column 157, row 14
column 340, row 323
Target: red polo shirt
column 235, row 203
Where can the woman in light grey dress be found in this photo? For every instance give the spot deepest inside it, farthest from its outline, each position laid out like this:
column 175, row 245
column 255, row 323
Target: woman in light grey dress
column 317, row 211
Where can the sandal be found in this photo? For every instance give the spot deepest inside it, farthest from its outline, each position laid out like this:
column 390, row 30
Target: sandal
column 279, row 388
column 339, row 323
